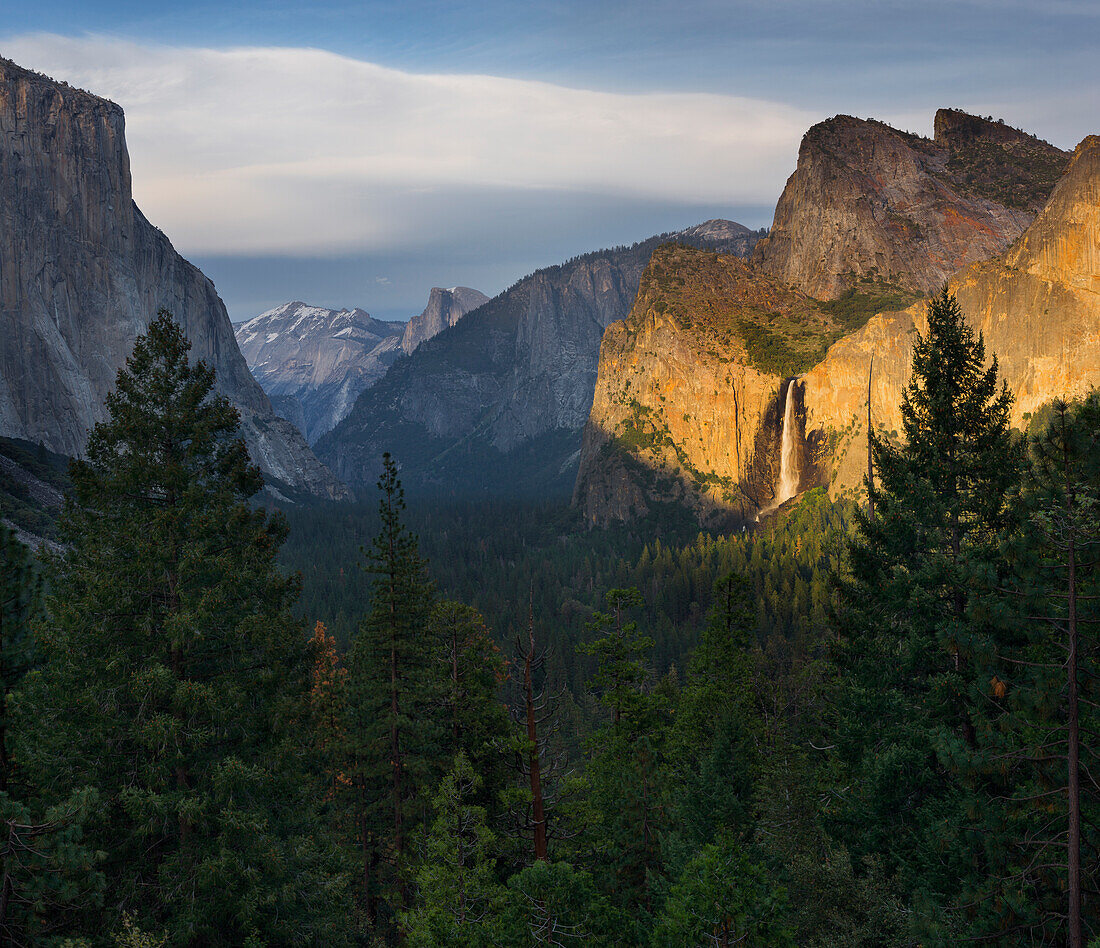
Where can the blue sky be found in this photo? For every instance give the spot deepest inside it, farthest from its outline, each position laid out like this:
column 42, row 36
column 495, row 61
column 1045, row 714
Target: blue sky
column 359, row 153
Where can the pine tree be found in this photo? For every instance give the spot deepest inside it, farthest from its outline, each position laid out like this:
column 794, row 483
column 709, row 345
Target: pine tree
column 1041, row 695
column 46, row 871
column 458, row 892
column 712, row 748
column 20, row 602
column 627, row 759
column 175, row 680
column 394, row 725
column 328, row 702
column 910, row 646
column 723, row 899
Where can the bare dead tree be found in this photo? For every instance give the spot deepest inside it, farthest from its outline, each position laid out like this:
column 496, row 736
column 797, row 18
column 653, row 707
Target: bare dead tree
column 541, row 763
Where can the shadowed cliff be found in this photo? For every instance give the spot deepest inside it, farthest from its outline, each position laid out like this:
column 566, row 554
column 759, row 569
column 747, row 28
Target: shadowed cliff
column 82, row 272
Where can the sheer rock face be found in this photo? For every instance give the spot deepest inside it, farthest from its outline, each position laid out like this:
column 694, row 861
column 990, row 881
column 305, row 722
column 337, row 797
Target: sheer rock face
column 444, row 309
column 714, row 450
column 687, row 409
column 1037, row 307
column 869, row 200
column 313, row 362
column 498, row 402
column 82, row 272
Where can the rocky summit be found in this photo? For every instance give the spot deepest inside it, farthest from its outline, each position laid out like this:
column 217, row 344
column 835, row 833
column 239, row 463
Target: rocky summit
column 1037, row 306
column 313, row 362
column 444, row 309
column 82, row 272
column 723, row 366
column 499, row 402
column 868, row 200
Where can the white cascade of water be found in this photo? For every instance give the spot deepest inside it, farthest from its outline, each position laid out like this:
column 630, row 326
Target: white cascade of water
column 788, row 454
column 787, row 485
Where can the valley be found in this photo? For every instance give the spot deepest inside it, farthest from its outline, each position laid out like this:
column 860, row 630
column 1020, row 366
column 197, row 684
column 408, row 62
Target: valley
column 732, row 586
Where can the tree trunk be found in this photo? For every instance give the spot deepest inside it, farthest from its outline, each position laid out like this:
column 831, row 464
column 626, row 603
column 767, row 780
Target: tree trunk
column 1073, row 749
column 538, row 812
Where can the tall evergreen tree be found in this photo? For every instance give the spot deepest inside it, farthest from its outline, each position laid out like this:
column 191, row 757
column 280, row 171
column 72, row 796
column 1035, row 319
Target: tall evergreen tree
column 627, row 760
column 46, row 871
column 394, row 726
column 909, row 643
column 458, row 891
column 20, row 602
column 175, row 680
column 713, row 741
column 1041, row 698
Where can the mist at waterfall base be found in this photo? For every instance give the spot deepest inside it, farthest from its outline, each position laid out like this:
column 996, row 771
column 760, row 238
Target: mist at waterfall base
column 789, row 474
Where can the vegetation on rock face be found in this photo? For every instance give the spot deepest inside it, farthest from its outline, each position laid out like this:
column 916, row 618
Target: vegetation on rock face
column 1019, row 175
column 865, row 299
column 32, row 480
column 721, row 299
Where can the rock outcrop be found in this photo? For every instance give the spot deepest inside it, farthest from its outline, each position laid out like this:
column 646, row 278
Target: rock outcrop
column 444, row 309
column 82, row 272
column 691, row 391
column 688, row 415
column 499, row 401
column 1037, row 307
column 867, row 200
column 313, row 362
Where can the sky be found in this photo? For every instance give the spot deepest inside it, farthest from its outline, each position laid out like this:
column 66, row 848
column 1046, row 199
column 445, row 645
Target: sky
column 359, row 153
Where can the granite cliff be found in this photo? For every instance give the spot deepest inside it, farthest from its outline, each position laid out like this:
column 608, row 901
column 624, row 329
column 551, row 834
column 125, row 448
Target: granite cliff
column 444, row 309
column 498, row 401
column 691, row 390
column 868, row 200
column 1037, row 306
column 696, row 417
column 313, row 362
column 82, row 272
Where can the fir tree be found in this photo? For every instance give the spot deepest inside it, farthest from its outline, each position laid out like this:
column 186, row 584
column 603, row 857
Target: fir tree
column 909, row 645
column 46, row 871
column 627, row 759
column 175, row 680
column 723, row 899
column 394, row 725
column 458, row 892
column 1040, row 697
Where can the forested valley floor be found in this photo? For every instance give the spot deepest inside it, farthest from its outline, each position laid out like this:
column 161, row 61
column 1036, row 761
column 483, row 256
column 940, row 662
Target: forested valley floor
column 407, row 722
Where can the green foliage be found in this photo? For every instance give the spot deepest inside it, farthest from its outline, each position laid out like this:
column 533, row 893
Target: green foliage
column 722, row 898
column 911, row 646
column 773, row 353
column 867, row 298
column 174, row 677
column 28, row 478
column 1019, row 176
column 551, row 903
column 393, row 726
column 1042, row 672
column 459, row 895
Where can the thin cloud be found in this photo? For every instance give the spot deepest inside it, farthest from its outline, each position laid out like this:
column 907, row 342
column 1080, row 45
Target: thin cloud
column 302, row 151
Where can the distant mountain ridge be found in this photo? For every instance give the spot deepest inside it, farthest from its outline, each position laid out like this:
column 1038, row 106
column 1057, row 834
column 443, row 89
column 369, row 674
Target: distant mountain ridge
column 444, row 309
column 313, row 362
column 498, row 402
column 82, row 273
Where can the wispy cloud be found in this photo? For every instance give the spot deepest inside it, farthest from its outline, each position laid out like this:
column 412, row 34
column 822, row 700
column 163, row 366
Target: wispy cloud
column 270, row 150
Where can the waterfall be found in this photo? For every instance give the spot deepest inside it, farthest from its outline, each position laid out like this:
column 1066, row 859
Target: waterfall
column 789, row 475
column 788, row 455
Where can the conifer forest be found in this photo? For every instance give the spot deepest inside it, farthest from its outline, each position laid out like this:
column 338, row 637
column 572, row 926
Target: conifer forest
column 861, row 722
